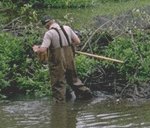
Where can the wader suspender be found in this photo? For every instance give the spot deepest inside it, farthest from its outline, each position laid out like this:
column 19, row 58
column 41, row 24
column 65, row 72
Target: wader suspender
column 60, row 39
column 65, row 33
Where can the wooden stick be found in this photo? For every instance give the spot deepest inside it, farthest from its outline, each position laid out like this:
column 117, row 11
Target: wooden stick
column 99, row 57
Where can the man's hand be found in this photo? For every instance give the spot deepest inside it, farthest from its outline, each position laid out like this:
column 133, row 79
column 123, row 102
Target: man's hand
column 36, row 48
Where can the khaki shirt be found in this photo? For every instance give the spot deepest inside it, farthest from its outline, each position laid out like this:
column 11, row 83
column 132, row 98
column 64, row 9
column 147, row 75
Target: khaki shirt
column 52, row 37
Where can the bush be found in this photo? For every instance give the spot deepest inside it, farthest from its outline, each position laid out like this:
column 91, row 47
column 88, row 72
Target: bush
column 135, row 53
column 19, row 69
column 84, row 65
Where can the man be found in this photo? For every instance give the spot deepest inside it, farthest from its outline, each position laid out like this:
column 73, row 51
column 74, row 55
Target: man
column 58, row 40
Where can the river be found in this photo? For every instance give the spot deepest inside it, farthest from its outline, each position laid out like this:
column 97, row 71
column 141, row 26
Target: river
column 96, row 113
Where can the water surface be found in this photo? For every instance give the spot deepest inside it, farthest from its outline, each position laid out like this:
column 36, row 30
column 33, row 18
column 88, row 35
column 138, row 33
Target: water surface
column 97, row 113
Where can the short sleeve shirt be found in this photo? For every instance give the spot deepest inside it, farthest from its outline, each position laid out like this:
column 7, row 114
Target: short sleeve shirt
column 51, row 37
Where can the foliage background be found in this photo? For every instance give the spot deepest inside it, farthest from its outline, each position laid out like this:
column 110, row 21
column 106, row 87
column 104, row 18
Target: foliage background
column 21, row 72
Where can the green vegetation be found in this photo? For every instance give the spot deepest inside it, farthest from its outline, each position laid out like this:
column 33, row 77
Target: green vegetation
column 136, row 56
column 19, row 66
column 70, row 3
column 84, row 65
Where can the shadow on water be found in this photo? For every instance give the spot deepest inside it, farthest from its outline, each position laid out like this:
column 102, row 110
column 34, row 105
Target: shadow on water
column 97, row 113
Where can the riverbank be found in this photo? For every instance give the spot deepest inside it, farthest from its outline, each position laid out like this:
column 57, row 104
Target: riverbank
column 21, row 72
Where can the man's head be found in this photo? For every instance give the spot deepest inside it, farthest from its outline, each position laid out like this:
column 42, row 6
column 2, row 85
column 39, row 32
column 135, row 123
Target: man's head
column 47, row 21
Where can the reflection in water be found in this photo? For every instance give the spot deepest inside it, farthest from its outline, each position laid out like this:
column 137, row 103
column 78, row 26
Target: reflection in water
column 26, row 114
column 62, row 117
column 81, row 114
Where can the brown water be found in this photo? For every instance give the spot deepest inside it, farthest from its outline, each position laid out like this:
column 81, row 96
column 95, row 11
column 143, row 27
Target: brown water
column 97, row 113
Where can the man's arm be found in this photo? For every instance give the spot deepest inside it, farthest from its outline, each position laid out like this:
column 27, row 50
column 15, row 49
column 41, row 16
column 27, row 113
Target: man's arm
column 45, row 44
column 75, row 39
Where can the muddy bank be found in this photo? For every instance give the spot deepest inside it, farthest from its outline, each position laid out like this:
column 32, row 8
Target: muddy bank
column 110, row 82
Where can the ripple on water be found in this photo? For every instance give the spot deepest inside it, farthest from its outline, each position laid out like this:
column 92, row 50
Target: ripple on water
column 41, row 114
column 28, row 113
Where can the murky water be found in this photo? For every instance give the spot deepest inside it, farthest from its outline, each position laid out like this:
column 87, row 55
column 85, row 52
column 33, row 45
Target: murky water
column 96, row 113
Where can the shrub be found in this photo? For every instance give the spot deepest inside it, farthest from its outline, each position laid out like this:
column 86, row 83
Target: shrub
column 84, row 65
column 135, row 53
column 19, row 69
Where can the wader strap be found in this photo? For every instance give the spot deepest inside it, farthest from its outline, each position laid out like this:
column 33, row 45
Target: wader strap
column 60, row 39
column 65, row 33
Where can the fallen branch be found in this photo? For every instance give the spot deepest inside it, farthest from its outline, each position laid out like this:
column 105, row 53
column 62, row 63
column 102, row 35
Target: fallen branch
column 14, row 20
column 99, row 57
column 94, row 34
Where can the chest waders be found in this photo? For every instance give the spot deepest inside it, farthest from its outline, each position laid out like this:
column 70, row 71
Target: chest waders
column 63, row 71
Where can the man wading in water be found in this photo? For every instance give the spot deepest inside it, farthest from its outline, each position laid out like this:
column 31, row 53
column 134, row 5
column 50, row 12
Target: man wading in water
column 58, row 40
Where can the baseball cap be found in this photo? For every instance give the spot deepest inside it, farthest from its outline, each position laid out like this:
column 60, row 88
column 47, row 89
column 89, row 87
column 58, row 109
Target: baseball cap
column 46, row 19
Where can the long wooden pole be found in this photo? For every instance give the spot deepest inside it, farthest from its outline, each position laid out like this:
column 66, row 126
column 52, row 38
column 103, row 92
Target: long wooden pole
column 99, row 57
